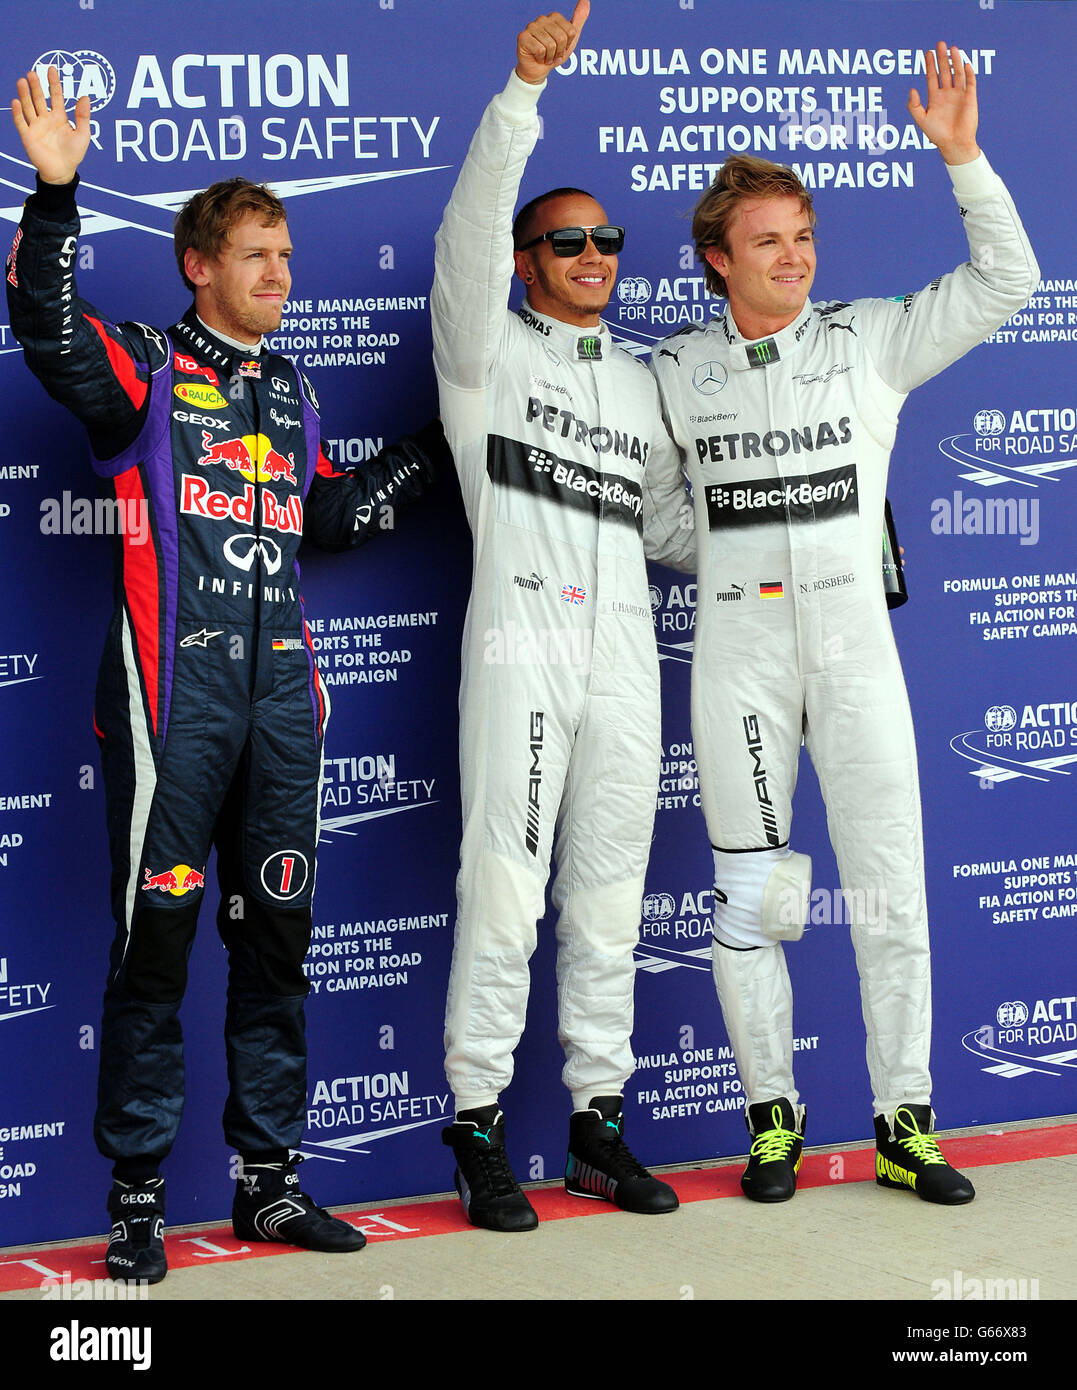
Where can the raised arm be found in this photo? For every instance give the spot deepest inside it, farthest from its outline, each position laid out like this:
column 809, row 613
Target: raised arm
column 473, row 250
column 95, row 368
column 913, row 338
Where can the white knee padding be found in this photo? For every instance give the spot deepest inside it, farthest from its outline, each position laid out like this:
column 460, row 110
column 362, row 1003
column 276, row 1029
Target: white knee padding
column 761, row 896
column 786, row 897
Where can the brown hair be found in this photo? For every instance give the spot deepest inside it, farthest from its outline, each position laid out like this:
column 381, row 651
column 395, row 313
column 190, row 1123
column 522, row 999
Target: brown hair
column 741, row 176
column 203, row 223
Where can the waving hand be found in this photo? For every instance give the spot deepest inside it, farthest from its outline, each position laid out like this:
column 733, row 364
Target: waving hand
column 53, row 145
column 950, row 118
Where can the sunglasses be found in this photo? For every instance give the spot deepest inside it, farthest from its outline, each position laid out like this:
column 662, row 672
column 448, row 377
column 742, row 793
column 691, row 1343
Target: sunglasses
column 570, row 241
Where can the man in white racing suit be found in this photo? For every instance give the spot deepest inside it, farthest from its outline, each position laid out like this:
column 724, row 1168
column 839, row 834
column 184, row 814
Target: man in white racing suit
column 786, row 413
column 560, row 447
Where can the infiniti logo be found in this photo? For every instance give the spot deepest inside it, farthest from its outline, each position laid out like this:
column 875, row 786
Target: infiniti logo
column 243, row 558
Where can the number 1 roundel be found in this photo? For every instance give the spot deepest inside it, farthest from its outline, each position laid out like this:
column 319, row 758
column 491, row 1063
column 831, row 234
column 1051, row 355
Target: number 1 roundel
column 284, row 874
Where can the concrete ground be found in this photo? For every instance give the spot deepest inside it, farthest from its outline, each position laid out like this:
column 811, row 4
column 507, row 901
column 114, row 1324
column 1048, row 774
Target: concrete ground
column 789, row 1270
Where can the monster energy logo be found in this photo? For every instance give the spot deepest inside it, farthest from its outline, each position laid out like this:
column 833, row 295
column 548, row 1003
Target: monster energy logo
column 590, row 348
column 762, row 354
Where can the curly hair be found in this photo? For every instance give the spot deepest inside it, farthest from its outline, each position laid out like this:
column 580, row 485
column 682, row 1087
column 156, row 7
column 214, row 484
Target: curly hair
column 204, row 222
column 741, row 176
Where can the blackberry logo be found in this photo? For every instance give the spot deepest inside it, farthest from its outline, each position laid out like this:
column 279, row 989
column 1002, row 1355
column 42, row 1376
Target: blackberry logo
column 539, row 461
column 786, row 501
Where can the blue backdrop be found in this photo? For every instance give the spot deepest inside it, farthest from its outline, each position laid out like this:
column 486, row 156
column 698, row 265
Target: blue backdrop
column 359, row 112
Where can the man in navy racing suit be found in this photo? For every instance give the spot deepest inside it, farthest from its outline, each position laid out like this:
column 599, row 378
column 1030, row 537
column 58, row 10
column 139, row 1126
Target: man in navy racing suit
column 209, row 708
column 786, row 413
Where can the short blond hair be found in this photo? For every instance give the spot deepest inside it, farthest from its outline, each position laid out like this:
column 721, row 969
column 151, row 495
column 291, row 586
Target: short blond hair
column 742, row 176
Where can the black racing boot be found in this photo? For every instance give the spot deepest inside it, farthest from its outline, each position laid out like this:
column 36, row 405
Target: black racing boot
column 268, row 1205
column 492, row 1197
column 600, row 1163
column 136, row 1247
column 776, row 1152
column 906, row 1155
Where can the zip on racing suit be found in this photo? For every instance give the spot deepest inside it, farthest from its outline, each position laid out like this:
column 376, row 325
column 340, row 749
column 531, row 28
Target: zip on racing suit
column 564, row 462
column 786, row 442
column 209, row 708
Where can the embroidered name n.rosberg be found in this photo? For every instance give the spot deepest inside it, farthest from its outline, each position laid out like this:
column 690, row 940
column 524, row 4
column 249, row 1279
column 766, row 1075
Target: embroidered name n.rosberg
column 765, row 501
column 542, row 474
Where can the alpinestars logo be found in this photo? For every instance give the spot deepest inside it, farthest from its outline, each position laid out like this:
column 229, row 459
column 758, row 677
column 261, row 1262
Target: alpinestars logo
column 534, row 784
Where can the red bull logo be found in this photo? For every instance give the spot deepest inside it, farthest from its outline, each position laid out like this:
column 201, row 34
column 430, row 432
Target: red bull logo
column 233, row 453
column 197, row 498
column 253, row 456
column 178, row 880
column 276, row 466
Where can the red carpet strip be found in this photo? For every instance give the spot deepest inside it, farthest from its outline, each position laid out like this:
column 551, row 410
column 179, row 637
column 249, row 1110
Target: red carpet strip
column 33, row 1268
